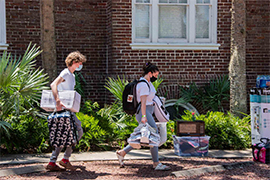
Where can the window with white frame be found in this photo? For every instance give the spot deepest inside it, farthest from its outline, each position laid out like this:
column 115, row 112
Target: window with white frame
column 174, row 24
column 3, row 45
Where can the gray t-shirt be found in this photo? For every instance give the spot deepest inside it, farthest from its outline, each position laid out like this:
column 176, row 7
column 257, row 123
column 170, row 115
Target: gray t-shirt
column 69, row 82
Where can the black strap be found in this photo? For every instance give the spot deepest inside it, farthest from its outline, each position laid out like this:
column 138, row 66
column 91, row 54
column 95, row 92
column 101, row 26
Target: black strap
column 142, row 80
column 259, row 148
column 258, row 153
column 138, row 107
column 267, row 141
column 74, row 127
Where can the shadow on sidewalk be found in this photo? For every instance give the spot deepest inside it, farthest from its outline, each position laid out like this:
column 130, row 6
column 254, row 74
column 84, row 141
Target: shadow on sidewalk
column 80, row 174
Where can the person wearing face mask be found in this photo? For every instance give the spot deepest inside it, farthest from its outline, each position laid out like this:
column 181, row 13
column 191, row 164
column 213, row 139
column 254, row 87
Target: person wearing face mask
column 66, row 81
column 146, row 109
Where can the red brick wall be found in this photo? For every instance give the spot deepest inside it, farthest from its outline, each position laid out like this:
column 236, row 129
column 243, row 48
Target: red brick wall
column 258, row 39
column 177, row 66
column 79, row 25
column 23, row 25
column 101, row 30
column 82, row 25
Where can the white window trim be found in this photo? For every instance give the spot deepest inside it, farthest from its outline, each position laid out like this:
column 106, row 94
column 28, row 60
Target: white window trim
column 175, row 46
column 195, row 44
column 3, row 39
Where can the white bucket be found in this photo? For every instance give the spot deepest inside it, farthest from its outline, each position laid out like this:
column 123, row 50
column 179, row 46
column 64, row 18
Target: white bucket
column 162, row 130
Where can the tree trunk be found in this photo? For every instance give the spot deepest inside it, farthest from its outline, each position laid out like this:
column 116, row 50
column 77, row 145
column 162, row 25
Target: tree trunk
column 48, row 44
column 237, row 66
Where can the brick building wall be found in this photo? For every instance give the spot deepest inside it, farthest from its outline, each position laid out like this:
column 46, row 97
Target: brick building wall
column 82, row 26
column 22, row 25
column 79, row 25
column 178, row 67
column 101, row 30
column 258, row 39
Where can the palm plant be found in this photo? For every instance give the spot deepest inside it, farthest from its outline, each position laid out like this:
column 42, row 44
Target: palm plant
column 116, row 87
column 216, row 92
column 157, row 82
column 20, row 84
column 115, row 113
column 211, row 95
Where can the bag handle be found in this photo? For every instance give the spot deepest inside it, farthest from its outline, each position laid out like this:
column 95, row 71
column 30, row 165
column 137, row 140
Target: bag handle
column 258, row 153
column 267, row 140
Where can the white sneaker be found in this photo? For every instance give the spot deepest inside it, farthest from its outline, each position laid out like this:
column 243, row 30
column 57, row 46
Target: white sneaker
column 161, row 167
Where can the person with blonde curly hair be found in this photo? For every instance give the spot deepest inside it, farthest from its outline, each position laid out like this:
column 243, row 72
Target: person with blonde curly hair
column 66, row 81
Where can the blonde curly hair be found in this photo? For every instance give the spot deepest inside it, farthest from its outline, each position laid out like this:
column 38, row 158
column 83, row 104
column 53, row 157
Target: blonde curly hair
column 76, row 57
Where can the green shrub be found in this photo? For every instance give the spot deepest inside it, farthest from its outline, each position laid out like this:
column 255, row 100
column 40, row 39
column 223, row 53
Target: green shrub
column 121, row 123
column 27, row 135
column 93, row 133
column 226, row 130
column 93, row 109
column 21, row 84
column 212, row 95
column 116, row 123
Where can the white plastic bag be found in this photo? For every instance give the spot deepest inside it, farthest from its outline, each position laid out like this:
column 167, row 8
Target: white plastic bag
column 162, row 130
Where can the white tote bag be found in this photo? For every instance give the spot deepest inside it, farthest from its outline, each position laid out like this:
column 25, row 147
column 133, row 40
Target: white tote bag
column 162, row 130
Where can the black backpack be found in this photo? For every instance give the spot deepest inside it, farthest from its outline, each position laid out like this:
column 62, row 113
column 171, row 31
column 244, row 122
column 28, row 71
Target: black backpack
column 129, row 98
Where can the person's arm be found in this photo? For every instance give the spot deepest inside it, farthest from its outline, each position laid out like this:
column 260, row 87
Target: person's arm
column 143, row 108
column 54, row 85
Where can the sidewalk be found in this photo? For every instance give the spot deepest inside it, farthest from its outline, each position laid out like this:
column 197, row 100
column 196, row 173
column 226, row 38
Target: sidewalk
column 99, row 156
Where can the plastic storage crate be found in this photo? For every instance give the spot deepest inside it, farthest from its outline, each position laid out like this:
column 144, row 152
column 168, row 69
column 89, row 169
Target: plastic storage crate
column 191, row 146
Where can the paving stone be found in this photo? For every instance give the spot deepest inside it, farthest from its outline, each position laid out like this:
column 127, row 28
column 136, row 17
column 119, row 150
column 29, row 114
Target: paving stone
column 209, row 169
column 21, row 170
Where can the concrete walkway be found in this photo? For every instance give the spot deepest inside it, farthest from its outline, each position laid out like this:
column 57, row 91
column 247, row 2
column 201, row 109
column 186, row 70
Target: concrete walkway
column 99, row 156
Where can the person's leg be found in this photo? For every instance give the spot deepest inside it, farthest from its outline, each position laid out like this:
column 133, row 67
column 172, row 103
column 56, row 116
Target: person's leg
column 154, row 150
column 52, row 164
column 124, row 151
column 65, row 161
column 78, row 124
column 55, row 154
column 121, row 153
column 152, row 123
column 68, row 152
column 154, row 153
column 128, row 148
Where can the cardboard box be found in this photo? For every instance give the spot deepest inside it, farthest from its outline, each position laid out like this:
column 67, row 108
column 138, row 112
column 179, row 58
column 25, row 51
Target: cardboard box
column 255, row 114
column 70, row 99
column 190, row 128
column 191, row 146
